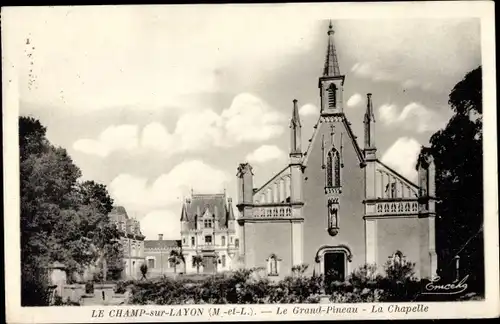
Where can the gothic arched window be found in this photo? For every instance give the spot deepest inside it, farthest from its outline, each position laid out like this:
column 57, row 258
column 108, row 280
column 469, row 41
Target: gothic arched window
column 329, row 174
column 332, row 96
column 337, row 170
column 333, row 169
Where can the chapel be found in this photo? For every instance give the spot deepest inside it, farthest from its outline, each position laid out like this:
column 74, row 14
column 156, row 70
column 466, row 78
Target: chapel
column 335, row 206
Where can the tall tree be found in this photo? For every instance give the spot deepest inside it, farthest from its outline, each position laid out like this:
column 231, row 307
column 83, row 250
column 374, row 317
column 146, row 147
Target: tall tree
column 458, row 155
column 61, row 219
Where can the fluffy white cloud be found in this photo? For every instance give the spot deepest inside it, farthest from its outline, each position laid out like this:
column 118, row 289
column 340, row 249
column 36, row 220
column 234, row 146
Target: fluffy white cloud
column 161, row 221
column 369, row 70
column 138, row 194
column 402, row 156
column 308, row 110
column 113, row 138
column 413, row 116
column 156, row 136
column 354, row 100
column 388, row 113
column 250, row 119
column 265, row 153
column 199, row 130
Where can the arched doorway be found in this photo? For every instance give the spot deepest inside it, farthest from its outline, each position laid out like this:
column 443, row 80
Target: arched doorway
column 333, row 261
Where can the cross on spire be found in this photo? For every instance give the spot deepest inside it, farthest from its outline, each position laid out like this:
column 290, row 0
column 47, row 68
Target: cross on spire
column 332, row 133
column 331, row 62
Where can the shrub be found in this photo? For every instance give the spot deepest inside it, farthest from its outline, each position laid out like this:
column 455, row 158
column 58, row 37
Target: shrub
column 89, row 287
column 364, row 284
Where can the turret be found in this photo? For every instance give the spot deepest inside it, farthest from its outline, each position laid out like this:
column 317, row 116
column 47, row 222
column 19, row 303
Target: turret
column 427, row 213
column 184, row 217
column 369, row 124
column 230, row 214
column 426, row 175
column 295, row 157
column 295, row 131
column 245, row 184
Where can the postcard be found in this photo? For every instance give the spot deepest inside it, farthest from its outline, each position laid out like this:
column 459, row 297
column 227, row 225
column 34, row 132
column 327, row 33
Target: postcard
column 270, row 162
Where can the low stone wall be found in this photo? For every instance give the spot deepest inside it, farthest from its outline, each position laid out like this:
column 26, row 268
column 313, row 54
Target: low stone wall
column 73, row 292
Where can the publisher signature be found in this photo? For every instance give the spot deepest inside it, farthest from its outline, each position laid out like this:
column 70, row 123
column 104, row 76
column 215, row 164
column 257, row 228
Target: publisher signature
column 446, row 289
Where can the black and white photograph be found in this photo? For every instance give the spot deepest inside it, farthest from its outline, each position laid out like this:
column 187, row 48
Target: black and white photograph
column 250, row 162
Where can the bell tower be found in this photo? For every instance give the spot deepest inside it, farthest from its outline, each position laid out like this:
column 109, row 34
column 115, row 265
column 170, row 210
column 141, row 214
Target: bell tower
column 331, row 84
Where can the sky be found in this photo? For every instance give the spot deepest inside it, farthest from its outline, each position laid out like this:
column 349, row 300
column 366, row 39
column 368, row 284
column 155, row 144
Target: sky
column 158, row 102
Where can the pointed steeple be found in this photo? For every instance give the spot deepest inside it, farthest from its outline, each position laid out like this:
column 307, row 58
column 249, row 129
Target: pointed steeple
column 184, row 217
column 331, row 62
column 230, row 214
column 295, row 132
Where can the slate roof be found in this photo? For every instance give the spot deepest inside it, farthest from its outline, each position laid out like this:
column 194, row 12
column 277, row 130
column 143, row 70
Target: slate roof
column 161, row 244
column 216, row 204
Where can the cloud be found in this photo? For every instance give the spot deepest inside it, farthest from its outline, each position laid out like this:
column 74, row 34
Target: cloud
column 308, row 110
column 354, row 100
column 265, row 153
column 153, row 58
column 113, row 138
column 388, row 113
column 368, row 70
column 402, row 156
column 161, row 221
column 197, row 131
column 138, row 194
column 249, row 119
column 405, row 50
column 413, row 116
column 155, row 136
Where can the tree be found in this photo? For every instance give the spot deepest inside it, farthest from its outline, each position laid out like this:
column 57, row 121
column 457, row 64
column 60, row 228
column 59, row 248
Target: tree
column 458, row 156
column 144, row 270
column 175, row 258
column 197, row 261
column 62, row 219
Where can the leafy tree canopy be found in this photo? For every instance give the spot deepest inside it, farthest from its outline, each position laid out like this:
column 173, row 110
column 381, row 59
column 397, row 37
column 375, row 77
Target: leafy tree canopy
column 62, row 219
column 458, row 156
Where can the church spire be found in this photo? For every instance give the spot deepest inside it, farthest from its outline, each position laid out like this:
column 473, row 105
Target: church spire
column 295, row 133
column 331, row 62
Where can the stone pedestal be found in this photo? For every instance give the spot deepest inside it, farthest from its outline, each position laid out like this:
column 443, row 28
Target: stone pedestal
column 324, row 299
column 57, row 277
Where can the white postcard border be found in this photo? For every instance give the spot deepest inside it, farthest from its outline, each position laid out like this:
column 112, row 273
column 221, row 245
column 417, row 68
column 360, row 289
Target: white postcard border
column 483, row 10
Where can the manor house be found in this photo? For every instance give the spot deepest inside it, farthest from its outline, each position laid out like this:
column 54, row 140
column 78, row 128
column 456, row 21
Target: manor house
column 335, row 206
column 132, row 241
column 208, row 233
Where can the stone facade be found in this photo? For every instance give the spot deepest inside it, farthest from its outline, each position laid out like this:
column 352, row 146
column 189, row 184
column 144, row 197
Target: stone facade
column 132, row 242
column 157, row 255
column 208, row 230
column 336, row 206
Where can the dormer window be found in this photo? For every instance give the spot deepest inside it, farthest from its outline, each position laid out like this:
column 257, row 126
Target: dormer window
column 207, row 223
column 332, row 96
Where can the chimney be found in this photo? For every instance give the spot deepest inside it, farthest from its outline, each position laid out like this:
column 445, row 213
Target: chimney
column 160, row 237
